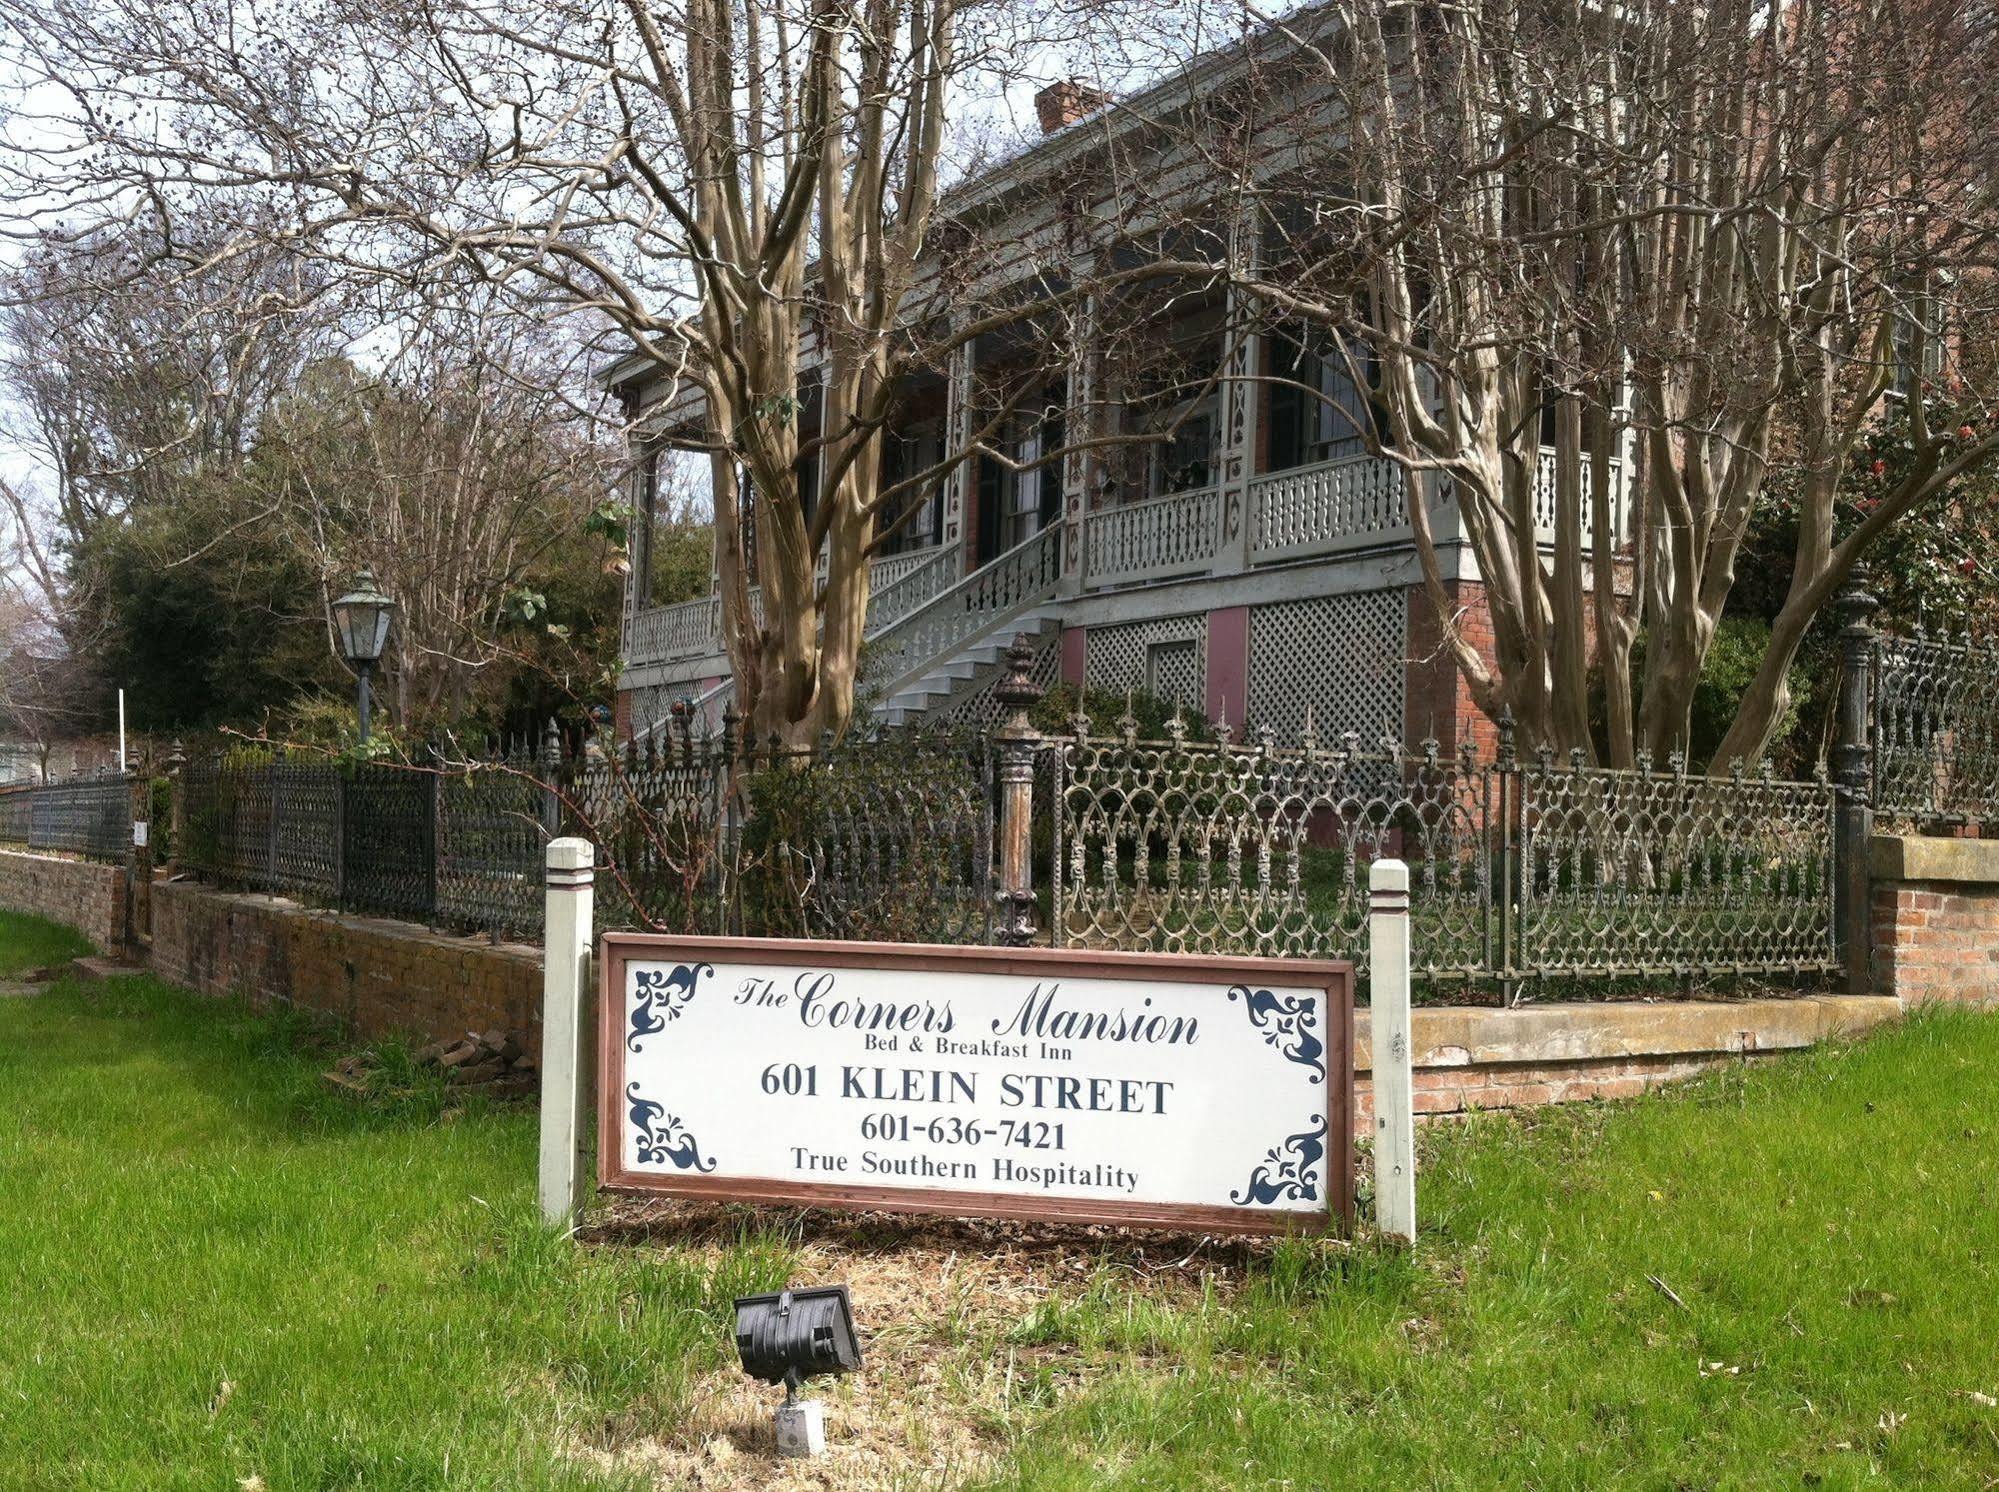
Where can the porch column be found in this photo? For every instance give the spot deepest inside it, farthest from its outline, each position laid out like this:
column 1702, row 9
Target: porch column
column 957, row 486
column 1079, row 468
column 1242, row 400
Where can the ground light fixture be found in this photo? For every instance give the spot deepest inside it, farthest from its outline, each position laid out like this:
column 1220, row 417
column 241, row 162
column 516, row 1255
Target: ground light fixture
column 361, row 627
column 792, row 1336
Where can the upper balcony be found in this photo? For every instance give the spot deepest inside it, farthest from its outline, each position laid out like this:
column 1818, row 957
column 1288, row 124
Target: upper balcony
column 1302, row 514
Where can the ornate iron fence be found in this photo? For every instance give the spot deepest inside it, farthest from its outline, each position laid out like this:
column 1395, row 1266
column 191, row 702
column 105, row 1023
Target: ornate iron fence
column 888, row 838
column 1933, row 730
column 89, row 816
column 1518, row 872
column 1637, row 873
column 1184, row 846
column 1521, row 874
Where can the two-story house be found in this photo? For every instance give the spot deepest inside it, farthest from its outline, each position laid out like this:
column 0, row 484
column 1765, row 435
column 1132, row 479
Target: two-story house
column 1254, row 562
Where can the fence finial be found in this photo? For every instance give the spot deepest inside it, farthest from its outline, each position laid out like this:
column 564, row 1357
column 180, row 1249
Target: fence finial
column 1016, row 689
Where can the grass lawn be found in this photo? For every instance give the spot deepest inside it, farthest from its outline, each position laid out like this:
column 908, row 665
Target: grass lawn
column 218, row 1275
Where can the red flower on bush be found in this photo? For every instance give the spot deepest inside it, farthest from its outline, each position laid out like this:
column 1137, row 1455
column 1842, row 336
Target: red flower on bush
column 1879, row 468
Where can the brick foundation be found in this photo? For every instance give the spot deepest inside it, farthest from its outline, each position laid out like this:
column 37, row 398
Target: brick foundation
column 78, row 893
column 377, row 977
column 1437, row 701
column 1468, row 1059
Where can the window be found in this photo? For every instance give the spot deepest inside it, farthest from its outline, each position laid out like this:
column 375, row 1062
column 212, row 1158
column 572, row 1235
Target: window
column 1318, row 410
column 1918, row 343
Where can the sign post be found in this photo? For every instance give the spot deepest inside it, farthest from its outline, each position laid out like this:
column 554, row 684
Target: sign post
column 1116, row 1088
column 565, row 1046
column 1391, row 1060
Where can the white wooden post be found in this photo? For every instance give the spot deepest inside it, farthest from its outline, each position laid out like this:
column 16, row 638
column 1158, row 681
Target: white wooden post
column 1388, row 1016
column 565, row 1030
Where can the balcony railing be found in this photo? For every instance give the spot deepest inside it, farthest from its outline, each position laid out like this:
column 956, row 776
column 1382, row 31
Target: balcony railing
column 897, row 585
column 1318, row 509
column 1157, row 539
column 1017, row 580
column 1309, row 511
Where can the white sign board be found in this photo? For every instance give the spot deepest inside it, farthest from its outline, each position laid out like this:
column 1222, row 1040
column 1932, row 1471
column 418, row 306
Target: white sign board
column 1081, row 1086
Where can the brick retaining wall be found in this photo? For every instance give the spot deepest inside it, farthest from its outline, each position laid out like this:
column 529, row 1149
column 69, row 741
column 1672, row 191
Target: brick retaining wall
column 78, row 893
column 1936, row 918
column 1468, row 1058
column 376, row 976
column 1935, row 939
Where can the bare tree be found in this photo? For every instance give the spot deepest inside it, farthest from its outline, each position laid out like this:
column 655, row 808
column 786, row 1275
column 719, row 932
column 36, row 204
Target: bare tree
column 722, row 185
column 1660, row 248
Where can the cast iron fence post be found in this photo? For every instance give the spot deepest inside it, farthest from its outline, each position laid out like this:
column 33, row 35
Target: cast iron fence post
column 139, row 874
column 1017, row 693
column 340, row 771
column 1854, row 814
column 1505, row 895
column 727, row 825
column 273, row 809
column 176, row 803
column 551, row 786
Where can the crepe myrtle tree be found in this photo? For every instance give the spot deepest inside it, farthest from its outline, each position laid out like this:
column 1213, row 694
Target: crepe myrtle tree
column 736, row 190
column 1711, row 244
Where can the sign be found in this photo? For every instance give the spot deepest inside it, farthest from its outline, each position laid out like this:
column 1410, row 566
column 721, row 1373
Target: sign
column 1141, row 1089
column 139, row 829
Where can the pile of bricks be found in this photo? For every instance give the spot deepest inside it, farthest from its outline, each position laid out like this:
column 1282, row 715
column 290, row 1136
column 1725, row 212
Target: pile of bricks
column 487, row 1059
column 494, row 1063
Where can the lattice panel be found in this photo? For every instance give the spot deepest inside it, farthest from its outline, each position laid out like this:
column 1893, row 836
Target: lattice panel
column 1341, row 655
column 1168, row 657
column 653, row 703
column 980, row 710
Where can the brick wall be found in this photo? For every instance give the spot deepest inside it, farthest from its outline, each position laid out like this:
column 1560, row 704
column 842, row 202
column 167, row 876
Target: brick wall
column 1467, row 1058
column 376, row 976
column 1436, row 699
column 78, row 893
column 1936, row 941
column 1936, row 918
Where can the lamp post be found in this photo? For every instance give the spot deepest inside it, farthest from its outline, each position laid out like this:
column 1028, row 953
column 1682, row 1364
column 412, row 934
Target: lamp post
column 361, row 623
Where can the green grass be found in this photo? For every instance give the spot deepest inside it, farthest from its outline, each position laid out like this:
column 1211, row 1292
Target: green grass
column 1830, row 1226
column 214, row 1270
column 182, row 1207
column 30, row 943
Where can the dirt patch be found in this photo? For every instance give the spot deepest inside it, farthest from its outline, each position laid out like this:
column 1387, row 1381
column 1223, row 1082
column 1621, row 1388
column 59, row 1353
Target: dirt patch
column 952, row 1362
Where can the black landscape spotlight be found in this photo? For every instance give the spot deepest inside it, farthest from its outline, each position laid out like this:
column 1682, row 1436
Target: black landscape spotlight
column 790, row 1337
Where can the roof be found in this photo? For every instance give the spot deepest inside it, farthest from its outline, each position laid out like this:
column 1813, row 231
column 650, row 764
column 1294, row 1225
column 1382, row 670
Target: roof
column 1079, row 137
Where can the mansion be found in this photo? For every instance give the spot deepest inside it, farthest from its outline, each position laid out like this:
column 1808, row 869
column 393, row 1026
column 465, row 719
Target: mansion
column 1252, row 561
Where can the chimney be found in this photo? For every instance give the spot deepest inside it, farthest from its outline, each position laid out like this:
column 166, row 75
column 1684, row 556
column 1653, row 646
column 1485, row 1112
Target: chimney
column 1061, row 104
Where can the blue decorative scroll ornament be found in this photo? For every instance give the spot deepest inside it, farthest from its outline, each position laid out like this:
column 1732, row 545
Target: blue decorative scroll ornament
column 662, row 1139
column 1290, row 1172
column 1286, row 1022
column 662, row 995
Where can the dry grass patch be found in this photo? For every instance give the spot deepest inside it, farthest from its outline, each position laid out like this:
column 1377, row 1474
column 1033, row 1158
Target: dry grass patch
column 966, row 1330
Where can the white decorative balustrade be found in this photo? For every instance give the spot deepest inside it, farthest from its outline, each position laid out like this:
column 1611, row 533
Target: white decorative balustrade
column 685, row 630
column 1544, row 500
column 903, row 582
column 693, row 629
column 1161, row 537
column 1017, row 580
column 1335, row 505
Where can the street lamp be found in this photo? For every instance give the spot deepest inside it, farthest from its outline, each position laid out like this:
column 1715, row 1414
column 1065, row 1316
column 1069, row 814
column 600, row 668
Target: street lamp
column 361, row 622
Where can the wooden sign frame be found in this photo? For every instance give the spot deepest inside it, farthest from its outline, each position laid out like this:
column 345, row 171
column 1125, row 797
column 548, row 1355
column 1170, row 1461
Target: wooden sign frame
column 617, row 949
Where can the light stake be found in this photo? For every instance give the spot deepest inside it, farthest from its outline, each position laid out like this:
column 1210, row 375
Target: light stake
column 789, row 1337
